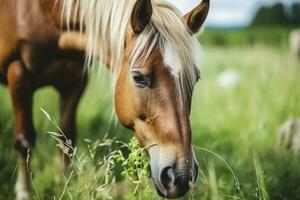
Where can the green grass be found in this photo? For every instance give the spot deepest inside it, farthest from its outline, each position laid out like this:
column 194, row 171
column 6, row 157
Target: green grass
column 234, row 134
column 271, row 36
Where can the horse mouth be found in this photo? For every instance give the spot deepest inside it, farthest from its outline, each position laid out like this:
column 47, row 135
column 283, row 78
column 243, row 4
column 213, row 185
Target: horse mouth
column 170, row 180
column 176, row 190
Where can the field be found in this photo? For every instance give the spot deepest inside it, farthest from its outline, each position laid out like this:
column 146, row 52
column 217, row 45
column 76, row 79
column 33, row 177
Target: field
column 235, row 131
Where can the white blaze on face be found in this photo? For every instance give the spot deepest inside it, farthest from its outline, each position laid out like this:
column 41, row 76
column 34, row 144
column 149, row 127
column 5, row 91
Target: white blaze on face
column 172, row 61
column 185, row 5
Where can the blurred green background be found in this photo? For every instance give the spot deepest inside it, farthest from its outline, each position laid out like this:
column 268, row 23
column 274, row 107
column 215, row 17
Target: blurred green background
column 250, row 86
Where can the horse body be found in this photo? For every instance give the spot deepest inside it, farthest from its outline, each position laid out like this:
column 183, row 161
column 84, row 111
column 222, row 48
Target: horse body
column 31, row 57
column 8, row 35
column 30, row 33
column 149, row 47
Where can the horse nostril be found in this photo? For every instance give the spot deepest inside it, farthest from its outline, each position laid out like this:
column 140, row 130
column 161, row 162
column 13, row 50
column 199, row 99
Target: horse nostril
column 167, row 177
column 183, row 185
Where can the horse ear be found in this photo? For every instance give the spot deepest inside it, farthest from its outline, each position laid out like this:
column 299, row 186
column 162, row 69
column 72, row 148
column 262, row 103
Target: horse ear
column 141, row 15
column 195, row 18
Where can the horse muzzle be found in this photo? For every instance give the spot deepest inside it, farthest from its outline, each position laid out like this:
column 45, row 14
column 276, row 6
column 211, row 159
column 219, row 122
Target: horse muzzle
column 172, row 177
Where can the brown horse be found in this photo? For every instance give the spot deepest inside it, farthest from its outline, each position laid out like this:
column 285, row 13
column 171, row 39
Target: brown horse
column 31, row 57
column 149, row 47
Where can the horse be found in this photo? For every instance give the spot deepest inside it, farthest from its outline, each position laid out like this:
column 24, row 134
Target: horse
column 32, row 55
column 149, row 47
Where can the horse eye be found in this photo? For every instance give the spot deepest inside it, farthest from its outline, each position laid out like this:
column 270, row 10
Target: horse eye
column 140, row 79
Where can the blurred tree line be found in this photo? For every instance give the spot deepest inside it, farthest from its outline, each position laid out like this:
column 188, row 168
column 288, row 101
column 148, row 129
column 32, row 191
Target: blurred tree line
column 271, row 26
column 278, row 14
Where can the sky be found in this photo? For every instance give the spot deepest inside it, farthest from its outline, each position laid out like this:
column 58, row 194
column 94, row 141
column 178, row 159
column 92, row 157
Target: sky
column 229, row 13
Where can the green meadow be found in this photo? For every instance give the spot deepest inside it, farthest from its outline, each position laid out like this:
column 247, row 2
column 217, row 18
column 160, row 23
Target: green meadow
column 235, row 130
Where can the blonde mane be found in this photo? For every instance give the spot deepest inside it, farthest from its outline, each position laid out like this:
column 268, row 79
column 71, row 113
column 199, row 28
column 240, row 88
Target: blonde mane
column 106, row 24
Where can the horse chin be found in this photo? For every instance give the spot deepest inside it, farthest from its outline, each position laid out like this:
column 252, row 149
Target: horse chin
column 171, row 194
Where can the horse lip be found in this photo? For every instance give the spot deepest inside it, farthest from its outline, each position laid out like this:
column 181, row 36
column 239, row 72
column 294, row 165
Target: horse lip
column 154, row 157
column 160, row 188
